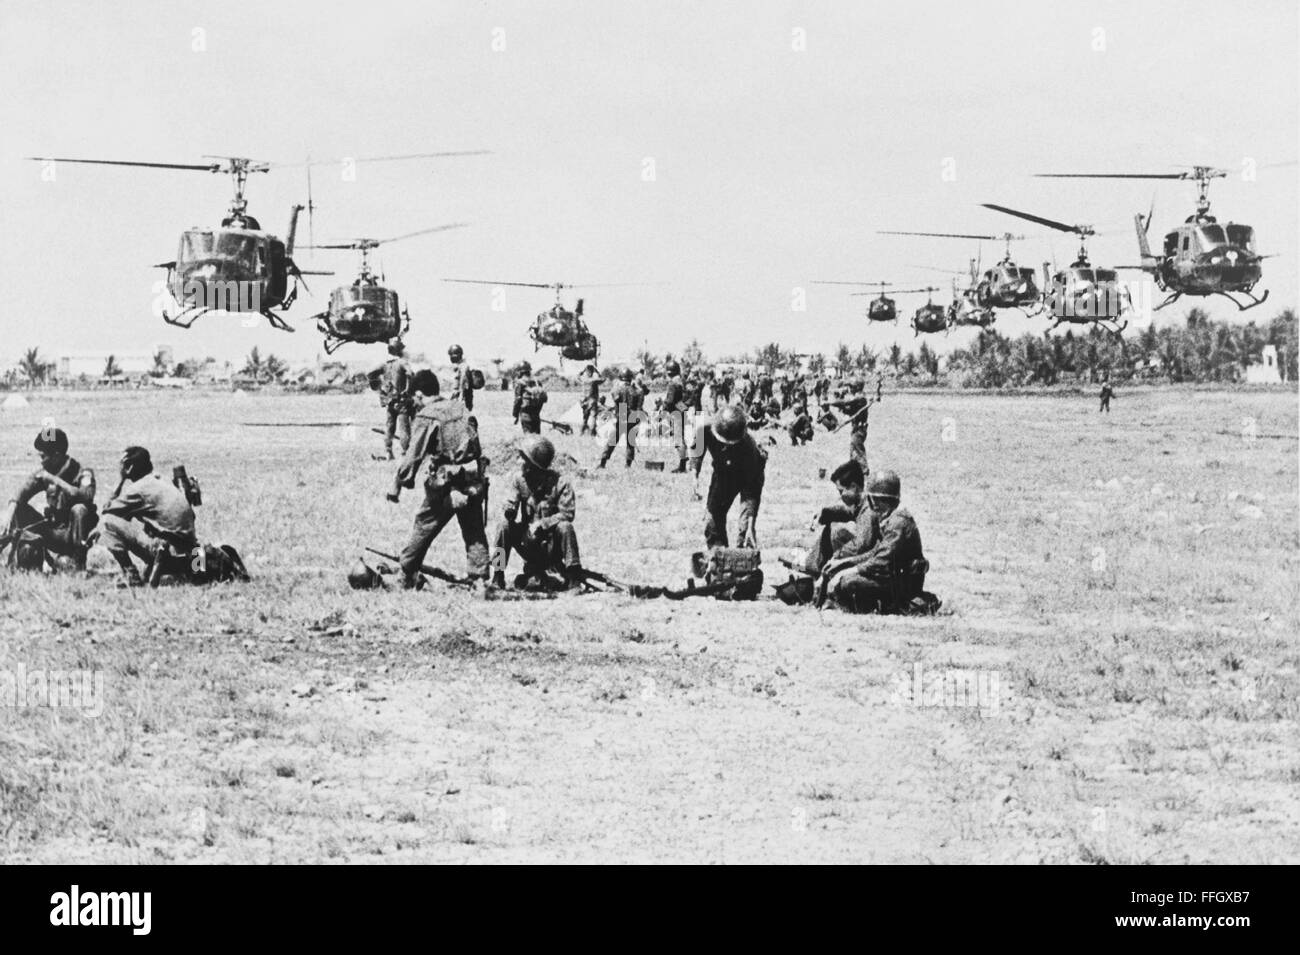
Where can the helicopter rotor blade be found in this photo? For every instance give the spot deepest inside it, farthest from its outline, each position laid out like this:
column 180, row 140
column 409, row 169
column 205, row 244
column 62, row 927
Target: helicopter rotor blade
column 207, row 167
column 360, row 159
column 519, row 284
column 1050, row 223
column 437, row 228
column 943, row 235
column 1112, row 175
column 824, row 282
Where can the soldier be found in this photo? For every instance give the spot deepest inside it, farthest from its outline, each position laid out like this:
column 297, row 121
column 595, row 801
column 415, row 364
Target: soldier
column 522, row 372
column 757, row 415
column 694, row 391
column 464, row 382
column 393, row 381
column 849, row 528
column 454, row 486
column 739, row 468
column 1106, row 394
column 538, row 521
column 855, row 407
column 590, row 382
column 144, row 513
column 722, row 389
column 70, row 513
column 893, row 571
column 675, row 406
column 801, row 428
column 764, row 386
column 628, row 402
column 531, row 401
column 745, row 389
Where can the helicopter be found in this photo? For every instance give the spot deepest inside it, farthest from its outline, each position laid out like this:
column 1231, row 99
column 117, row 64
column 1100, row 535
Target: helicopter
column 365, row 311
column 1200, row 257
column 963, row 311
column 930, row 318
column 1080, row 294
column 557, row 327
column 237, row 268
column 882, row 307
column 1006, row 285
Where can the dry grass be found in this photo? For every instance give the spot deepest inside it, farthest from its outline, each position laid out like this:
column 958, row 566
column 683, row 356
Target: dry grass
column 1142, row 631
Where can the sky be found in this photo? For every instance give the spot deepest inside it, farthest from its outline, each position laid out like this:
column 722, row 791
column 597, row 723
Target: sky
column 724, row 154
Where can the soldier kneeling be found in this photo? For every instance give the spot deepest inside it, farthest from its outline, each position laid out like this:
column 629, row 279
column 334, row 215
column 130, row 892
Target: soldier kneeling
column 153, row 520
column 539, row 515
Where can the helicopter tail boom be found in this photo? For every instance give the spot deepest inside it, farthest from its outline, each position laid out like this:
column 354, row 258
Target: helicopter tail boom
column 1140, row 224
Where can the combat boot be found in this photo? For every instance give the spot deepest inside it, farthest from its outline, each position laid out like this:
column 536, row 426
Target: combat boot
column 499, row 580
column 574, row 578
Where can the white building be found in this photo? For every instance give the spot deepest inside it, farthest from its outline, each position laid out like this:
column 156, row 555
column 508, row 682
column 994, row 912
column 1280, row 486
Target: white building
column 1266, row 372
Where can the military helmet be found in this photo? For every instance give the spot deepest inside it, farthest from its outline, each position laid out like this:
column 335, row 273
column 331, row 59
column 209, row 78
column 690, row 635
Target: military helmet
column 673, row 368
column 364, row 577
column 537, row 450
column 51, row 440
column 884, row 484
column 395, row 347
column 455, row 353
column 626, row 374
column 27, row 552
column 525, row 368
column 729, row 424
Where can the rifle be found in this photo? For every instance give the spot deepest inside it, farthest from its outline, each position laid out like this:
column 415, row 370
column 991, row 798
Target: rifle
column 429, row 570
column 605, row 579
column 559, row 426
column 861, row 411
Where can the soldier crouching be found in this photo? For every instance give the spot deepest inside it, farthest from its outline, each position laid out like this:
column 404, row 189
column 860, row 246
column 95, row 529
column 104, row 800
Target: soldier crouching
column 454, row 486
column 69, row 516
column 538, row 521
column 892, row 572
column 146, row 518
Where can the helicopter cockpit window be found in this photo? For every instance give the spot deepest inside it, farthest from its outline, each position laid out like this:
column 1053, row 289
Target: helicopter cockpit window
column 238, row 247
column 1211, row 236
column 196, row 245
column 1026, row 275
column 1106, row 275
column 1084, row 275
column 1242, row 236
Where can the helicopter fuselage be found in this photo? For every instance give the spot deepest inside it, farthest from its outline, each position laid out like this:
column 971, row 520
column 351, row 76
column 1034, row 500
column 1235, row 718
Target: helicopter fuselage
column 882, row 309
column 363, row 313
column 930, row 318
column 229, row 270
column 1082, row 294
column 1007, row 286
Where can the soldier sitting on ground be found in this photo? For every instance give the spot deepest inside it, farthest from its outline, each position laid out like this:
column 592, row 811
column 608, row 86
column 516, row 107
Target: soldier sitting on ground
column 889, row 575
column 146, row 516
column 849, row 528
column 539, row 514
column 69, row 515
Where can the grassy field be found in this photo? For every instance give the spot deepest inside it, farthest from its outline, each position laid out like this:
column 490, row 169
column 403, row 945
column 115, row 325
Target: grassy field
column 1112, row 679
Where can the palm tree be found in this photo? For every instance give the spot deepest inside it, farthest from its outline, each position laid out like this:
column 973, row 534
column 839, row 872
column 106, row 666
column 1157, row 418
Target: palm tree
column 273, row 369
column 159, row 364
column 111, row 367
column 843, row 359
column 649, row 363
column 253, row 366
column 34, row 370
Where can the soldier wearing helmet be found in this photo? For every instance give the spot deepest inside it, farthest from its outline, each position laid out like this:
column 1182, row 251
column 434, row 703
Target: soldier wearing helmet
column 893, row 570
column 69, row 515
column 739, row 467
column 522, row 372
column 539, row 513
column 629, row 401
column 801, row 428
column 454, row 485
column 464, row 390
column 675, row 406
column 531, row 400
column 392, row 380
column 590, row 381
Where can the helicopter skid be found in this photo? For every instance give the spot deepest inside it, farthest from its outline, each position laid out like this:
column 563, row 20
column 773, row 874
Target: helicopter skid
column 194, row 312
column 1253, row 300
column 276, row 321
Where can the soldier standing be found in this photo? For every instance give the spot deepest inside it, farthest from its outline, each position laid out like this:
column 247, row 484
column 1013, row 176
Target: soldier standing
column 531, row 401
column 590, row 381
column 764, row 386
column 69, row 490
column 522, row 371
column 675, row 406
column 464, row 382
column 393, row 380
column 856, row 407
column 455, row 485
column 739, row 469
column 1106, row 394
column 628, row 402
column 538, row 521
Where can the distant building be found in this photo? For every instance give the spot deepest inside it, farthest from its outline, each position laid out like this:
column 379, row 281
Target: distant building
column 1266, row 372
column 129, row 364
